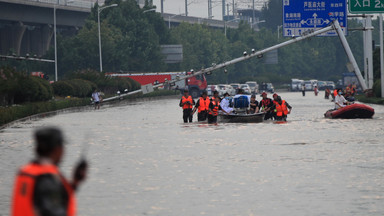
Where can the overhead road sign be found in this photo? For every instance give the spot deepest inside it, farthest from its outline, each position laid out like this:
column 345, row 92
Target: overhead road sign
column 366, row 6
column 301, row 17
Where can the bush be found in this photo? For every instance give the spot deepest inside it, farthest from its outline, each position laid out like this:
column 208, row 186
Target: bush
column 33, row 89
column 9, row 114
column 63, row 88
column 106, row 84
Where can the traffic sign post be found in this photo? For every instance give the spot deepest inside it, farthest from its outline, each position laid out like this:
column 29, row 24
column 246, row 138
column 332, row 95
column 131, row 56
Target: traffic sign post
column 366, row 6
column 301, row 17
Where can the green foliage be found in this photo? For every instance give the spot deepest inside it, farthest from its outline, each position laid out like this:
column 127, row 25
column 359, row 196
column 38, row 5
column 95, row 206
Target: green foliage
column 63, row 88
column 17, row 87
column 9, row 114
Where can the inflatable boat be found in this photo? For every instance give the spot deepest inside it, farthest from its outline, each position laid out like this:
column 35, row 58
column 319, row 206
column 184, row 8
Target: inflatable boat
column 351, row 112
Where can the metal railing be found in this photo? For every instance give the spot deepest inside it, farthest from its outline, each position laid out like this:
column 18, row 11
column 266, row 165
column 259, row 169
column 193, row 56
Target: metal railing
column 70, row 3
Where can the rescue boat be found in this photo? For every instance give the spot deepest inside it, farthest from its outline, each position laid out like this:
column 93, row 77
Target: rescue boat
column 351, row 112
column 241, row 118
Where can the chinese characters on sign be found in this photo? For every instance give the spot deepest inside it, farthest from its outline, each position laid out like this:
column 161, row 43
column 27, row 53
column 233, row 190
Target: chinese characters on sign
column 366, row 6
column 303, row 16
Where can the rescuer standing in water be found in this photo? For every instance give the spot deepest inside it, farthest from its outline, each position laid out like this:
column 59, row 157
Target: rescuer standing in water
column 186, row 102
column 40, row 188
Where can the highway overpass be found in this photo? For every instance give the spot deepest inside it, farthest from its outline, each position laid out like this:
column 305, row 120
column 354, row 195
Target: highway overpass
column 26, row 26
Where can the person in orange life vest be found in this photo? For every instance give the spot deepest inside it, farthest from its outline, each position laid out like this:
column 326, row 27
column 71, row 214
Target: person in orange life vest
column 40, row 189
column 215, row 95
column 266, row 105
column 282, row 109
column 274, row 105
column 186, row 102
column 214, row 108
column 202, row 105
column 253, row 105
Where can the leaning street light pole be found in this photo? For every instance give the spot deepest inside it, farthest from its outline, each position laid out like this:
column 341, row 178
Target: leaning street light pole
column 98, row 23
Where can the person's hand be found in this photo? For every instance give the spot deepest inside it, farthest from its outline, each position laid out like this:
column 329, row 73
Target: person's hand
column 80, row 171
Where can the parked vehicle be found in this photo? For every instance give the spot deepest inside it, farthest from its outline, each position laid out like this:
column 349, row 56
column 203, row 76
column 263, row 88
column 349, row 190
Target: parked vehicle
column 230, row 90
column 211, row 89
column 246, row 88
column 308, row 85
column 296, row 84
column 321, row 85
column 331, row 85
column 270, row 88
column 235, row 86
column 223, row 88
column 254, row 86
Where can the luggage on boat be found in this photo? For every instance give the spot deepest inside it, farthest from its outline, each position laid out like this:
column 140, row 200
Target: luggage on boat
column 241, row 102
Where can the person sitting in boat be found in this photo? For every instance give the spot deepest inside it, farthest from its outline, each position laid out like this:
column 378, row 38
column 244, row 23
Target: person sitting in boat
column 253, row 105
column 202, row 105
column 241, row 102
column 266, row 105
column 340, row 101
column 213, row 111
column 215, row 95
column 282, row 109
column 225, row 103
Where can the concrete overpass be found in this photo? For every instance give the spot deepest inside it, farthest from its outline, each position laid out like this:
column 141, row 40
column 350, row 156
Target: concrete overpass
column 26, row 26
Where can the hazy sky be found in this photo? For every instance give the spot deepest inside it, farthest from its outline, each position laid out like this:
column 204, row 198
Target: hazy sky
column 199, row 8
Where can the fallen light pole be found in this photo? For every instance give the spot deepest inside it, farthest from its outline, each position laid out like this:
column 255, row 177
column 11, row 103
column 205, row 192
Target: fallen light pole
column 259, row 54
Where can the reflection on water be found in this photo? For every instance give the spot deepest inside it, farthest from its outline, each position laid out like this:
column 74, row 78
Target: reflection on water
column 145, row 161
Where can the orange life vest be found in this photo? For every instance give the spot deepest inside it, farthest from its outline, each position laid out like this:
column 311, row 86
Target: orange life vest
column 204, row 104
column 215, row 110
column 189, row 99
column 22, row 204
column 281, row 109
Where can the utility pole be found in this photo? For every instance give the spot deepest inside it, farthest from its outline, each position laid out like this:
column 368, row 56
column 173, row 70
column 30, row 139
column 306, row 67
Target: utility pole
column 223, row 9
column 233, row 8
column 162, row 7
column 209, row 9
column 186, row 7
column 253, row 12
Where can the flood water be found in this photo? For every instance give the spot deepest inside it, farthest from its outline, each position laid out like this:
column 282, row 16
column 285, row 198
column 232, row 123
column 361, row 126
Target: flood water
column 145, row 161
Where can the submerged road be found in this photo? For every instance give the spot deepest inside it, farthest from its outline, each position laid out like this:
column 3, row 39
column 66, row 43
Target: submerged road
column 145, row 161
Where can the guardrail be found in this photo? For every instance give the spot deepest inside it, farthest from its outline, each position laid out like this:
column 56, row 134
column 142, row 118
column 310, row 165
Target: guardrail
column 70, row 3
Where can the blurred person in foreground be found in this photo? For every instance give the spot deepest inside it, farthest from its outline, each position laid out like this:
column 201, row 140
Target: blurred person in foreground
column 40, row 188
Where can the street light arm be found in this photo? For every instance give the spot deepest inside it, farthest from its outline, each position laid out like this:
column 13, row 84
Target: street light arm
column 108, row 6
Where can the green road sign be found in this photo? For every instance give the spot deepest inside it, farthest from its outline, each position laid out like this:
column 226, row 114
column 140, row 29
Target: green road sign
column 366, row 6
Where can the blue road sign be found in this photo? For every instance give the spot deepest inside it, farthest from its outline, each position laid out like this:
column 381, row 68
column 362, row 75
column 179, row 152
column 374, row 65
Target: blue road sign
column 303, row 16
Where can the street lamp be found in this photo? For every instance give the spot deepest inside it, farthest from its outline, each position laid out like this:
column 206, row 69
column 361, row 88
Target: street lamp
column 169, row 19
column 225, row 25
column 54, row 32
column 278, row 31
column 153, row 9
column 98, row 23
column 255, row 23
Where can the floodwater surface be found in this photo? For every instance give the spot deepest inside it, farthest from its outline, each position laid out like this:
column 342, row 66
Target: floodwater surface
column 145, row 161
